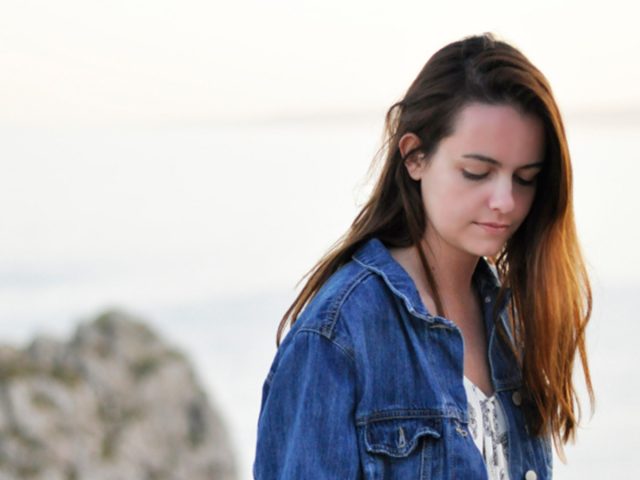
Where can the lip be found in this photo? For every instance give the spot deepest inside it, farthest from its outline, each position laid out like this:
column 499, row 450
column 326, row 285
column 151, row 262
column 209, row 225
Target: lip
column 493, row 227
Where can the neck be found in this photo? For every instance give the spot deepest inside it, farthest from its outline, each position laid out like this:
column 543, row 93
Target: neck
column 451, row 268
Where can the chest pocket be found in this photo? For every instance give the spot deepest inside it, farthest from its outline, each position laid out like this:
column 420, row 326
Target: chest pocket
column 402, row 448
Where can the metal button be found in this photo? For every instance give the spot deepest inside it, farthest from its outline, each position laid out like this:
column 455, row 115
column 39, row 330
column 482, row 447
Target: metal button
column 517, row 400
column 487, row 299
column 460, row 430
column 530, row 475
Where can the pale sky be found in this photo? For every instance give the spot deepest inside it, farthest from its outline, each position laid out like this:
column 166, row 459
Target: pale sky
column 196, row 191
column 79, row 62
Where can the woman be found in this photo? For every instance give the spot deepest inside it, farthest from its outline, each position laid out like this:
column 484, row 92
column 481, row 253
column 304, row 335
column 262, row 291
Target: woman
column 437, row 338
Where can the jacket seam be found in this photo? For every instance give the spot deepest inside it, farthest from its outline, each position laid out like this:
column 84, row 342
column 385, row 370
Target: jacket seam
column 340, row 348
column 410, row 414
column 335, row 307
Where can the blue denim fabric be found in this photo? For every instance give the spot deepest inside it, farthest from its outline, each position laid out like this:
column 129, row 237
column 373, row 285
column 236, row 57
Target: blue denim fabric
column 367, row 384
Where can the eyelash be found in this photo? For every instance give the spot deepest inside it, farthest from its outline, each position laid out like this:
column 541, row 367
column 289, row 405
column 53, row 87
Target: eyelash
column 474, row 177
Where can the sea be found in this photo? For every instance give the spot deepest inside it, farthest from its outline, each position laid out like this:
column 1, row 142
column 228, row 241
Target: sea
column 204, row 230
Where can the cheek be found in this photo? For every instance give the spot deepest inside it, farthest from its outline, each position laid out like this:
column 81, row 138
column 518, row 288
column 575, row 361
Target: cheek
column 448, row 203
column 526, row 202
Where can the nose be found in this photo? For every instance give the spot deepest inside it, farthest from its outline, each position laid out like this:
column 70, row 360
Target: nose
column 502, row 197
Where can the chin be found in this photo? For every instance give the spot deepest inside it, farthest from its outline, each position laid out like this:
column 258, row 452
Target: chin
column 486, row 250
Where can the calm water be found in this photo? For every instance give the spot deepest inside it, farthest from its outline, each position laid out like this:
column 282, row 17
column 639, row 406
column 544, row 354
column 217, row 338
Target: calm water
column 204, row 231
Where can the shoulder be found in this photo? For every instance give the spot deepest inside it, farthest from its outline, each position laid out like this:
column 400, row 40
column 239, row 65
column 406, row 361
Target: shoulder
column 352, row 295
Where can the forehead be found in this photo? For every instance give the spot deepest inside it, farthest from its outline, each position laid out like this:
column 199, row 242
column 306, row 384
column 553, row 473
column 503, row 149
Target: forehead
column 498, row 131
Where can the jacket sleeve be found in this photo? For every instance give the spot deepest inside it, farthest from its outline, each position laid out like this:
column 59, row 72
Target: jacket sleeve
column 306, row 428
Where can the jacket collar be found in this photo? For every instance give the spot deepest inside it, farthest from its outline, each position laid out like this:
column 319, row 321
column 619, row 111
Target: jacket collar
column 375, row 256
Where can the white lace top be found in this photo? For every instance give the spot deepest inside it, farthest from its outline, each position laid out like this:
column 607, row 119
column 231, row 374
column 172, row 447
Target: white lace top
column 488, row 430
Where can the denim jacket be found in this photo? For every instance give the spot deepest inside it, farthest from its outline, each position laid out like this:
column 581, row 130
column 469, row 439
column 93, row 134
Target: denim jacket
column 368, row 384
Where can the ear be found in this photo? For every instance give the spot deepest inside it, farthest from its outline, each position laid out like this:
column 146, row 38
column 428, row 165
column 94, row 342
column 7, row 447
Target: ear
column 413, row 161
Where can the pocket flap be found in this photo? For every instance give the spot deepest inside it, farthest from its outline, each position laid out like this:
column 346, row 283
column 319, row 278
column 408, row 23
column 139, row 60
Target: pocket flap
column 398, row 437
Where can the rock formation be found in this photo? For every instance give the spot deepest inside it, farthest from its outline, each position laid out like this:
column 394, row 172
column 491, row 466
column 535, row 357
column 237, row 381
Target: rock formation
column 113, row 403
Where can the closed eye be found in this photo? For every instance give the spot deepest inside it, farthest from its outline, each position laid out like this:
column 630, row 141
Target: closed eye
column 525, row 182
column 474, row 176
column 479, row 176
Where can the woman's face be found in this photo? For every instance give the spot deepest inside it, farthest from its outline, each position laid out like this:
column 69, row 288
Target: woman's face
column 479, row 184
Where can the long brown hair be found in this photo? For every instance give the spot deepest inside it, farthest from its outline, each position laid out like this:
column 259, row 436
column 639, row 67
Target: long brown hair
column 541, row 263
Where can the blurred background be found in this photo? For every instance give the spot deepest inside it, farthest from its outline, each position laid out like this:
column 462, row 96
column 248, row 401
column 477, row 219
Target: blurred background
column 190, row 160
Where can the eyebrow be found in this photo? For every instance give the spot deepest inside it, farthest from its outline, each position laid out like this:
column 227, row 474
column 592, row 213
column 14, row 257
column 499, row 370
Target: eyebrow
column 493, row 161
